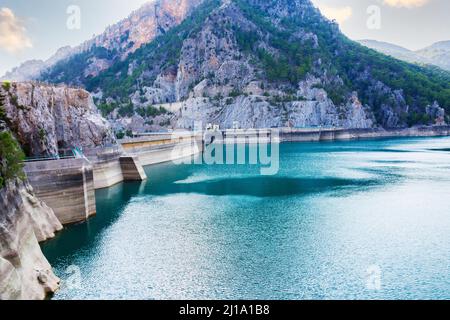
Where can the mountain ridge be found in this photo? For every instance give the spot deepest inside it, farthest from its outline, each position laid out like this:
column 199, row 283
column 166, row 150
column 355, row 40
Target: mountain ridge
column 263, row 63
column 393, row 107
column 118, row 39
column 437, row 54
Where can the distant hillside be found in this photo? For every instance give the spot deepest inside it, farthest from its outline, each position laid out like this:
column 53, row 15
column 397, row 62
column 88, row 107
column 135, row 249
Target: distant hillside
column 437, row 54
column 33, row 69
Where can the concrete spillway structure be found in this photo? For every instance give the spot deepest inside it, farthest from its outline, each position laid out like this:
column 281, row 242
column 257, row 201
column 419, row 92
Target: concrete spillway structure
column 159, row 148
column 125, row 162
column 66, row 186
column 132, row 169
column 106, row 164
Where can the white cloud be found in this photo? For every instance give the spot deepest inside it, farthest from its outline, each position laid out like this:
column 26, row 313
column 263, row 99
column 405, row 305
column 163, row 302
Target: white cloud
column 341, row 14
column 405, row 3
column 13, row 34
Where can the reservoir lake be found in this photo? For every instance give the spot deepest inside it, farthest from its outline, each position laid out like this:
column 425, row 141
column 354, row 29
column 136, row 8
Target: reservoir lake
column 341, row 220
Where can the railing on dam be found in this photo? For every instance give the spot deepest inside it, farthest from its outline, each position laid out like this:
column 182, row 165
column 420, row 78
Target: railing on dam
column 60, row 156
column 47, row 158
column 157, row 141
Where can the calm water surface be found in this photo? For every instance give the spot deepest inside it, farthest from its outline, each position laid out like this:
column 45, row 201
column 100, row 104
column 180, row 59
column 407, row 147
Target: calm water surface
column 338, row 219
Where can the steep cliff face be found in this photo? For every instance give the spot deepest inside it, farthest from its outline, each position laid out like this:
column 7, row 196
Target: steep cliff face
column 142, row 26
column 261, row 111
column 24, row 221
column 45, row 121
column 49, row 120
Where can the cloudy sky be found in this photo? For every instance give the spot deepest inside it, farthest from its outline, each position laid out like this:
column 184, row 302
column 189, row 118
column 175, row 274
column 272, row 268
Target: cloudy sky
column 35, row 29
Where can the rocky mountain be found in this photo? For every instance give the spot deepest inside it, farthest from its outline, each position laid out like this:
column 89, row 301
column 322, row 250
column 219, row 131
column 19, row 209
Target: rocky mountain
column 141, row 27
column 49, row 120
column 437, row 54
column 115, row 43
column 25, row 221
column 263, row 63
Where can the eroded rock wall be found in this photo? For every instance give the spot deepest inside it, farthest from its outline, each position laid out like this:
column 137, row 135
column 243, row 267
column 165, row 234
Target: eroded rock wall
column 47, row 120
column 25, row 221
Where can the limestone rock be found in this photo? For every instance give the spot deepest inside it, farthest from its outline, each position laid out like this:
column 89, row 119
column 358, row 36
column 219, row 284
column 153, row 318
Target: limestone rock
column 436, row 113
column 47, row 120
column 255, row 111
column 24, row 221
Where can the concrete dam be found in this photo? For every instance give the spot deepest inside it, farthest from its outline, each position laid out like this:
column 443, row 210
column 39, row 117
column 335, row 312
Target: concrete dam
column 68, row 185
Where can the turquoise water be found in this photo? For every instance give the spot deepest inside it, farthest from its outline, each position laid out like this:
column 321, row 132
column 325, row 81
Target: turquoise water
column 343, row 220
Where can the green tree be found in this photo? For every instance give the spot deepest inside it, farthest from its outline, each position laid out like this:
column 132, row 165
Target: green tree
column 3, row 116
column 11, row 159
column 6, row 85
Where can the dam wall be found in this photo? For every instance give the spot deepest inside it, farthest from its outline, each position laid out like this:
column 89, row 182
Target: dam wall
column 107, row 169
column 249, row 136
column 132, row 169
column 66, row 185
column 125, row 162
column 154, row 149
column 335, row 134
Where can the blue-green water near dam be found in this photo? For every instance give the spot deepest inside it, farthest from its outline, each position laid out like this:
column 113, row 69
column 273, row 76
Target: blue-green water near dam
column 341, row 220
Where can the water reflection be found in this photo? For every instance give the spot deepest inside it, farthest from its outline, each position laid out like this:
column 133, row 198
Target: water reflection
column 311, row 232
